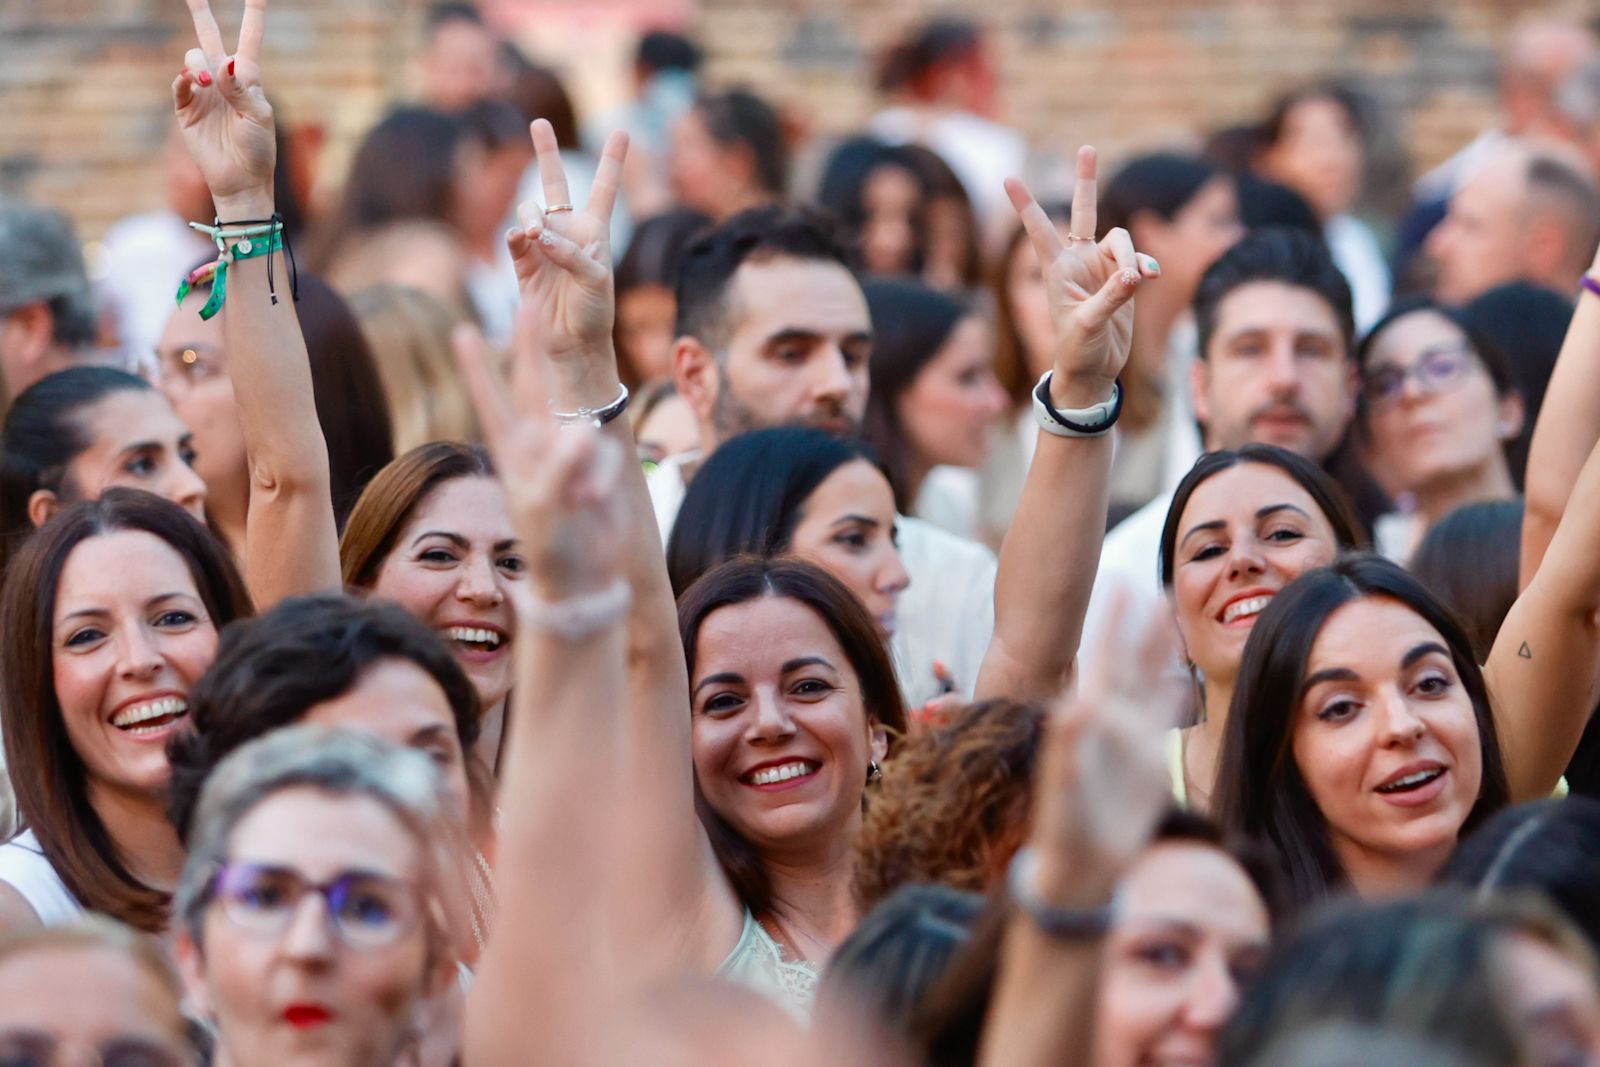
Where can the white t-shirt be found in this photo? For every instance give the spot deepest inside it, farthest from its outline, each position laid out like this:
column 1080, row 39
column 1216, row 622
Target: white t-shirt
column 24, row 868
column 945, row 614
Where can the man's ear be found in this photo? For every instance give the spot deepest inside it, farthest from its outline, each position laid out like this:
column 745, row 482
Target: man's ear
column 1544, row 248
column 694, row 372
column 1199, row 388
column 42, row 505
column 25, row 336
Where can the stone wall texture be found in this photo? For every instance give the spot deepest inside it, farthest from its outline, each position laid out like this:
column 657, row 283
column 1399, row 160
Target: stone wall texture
column 84, row 83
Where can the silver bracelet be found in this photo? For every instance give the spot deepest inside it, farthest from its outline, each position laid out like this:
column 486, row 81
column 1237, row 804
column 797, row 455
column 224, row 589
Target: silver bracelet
column 577, row 617
column 596, row 417
column 1070, row 924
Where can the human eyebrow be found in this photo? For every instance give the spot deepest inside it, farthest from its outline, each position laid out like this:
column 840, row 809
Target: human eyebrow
column 791, row 335
column 1273, row 509
column 725, row 678
column 1425, row 649
column 1214, row 524
column 806, row 661
column 1329, row 674
column 844, row 520
column 162, row 598
column 507, row 545
column 138, row 447
column 454, row 538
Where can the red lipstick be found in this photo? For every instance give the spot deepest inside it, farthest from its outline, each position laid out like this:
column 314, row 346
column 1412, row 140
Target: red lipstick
column 306, row 1016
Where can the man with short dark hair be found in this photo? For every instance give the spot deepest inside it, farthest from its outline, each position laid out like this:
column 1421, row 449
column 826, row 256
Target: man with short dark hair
column 773, row 330
column 1276, row 366
column 47, row 310
column 1528, row 215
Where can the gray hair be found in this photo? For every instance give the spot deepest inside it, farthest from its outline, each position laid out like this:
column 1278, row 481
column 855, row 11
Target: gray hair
column 341, row 762
column 41, row 261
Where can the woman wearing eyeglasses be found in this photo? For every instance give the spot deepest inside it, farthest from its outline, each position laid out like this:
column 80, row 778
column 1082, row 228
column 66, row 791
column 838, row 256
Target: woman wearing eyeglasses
column 315, row 901
column 1437, row 409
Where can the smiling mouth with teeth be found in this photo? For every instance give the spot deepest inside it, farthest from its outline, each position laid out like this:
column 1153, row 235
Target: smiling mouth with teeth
column 1249, row 607
column 1412, row 781
column 780, row 773
column 151, row 717
column 474, row 638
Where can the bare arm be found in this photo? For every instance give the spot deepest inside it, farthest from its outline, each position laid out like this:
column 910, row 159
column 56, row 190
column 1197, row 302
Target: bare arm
column 564, row 268
column 1544, row 669
column 1048, row 559
column 1568, row 427
column 292, row 544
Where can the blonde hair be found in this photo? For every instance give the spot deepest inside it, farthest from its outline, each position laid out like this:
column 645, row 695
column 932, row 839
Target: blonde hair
column 98, row 933
column 409, row 332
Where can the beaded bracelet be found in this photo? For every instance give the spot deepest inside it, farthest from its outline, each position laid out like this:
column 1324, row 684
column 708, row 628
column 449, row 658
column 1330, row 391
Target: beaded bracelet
column 246, row 245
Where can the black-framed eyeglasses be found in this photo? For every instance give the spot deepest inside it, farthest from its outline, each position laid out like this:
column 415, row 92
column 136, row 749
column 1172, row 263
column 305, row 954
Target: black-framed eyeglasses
column 368, row 910
column 37, row 1048
column 1437, row 370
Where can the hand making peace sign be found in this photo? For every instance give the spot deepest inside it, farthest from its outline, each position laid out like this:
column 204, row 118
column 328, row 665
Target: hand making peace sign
column 223, row 113
column 563, row 254
column 1091, row 286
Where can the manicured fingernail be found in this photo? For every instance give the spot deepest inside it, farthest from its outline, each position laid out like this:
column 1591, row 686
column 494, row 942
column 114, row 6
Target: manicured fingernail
column 547, row 238
column 1130, row 277
column 204, row 78
column 1151, row 265
column 230, row 68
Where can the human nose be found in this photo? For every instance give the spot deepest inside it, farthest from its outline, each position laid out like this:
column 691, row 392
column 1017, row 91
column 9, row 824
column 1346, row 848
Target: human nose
column 1281, row 373
column 478, row 584
column 893, row 578
column 187, row 490
column 771, row 721
column 308, row 939
column 1213, row 996
column 1400, row 724
column 1244, row 557
column 833, row 380
column 138, row 656
column 995, row 399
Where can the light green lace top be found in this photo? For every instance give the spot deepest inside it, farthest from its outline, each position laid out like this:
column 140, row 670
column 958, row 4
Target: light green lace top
column 758, row 963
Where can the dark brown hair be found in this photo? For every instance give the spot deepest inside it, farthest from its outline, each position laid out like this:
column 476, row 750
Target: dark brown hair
column 1010, row 360
column 389, row 500
column 1260, row 790
column 748, row 578
column 46, row 771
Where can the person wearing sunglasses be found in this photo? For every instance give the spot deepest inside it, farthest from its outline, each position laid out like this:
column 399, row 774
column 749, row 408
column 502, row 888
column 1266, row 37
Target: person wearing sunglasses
column 1437, row 409
column 90, row 992
column 316, row 901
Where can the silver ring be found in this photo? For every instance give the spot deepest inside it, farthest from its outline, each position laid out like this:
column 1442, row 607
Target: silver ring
column 556, row 209
column 1075, row 238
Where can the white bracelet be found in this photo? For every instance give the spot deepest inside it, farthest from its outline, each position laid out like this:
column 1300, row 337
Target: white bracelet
column 577, row 617
column 596, row 417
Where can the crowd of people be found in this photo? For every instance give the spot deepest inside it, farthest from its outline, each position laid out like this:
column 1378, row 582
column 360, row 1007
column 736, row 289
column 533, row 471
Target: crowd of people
column 805, row 598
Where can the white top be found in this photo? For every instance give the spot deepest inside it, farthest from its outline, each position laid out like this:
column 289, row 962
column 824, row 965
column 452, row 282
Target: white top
column 946, row 614
column 1356, row 253
column 146, row 257
column 24, row 868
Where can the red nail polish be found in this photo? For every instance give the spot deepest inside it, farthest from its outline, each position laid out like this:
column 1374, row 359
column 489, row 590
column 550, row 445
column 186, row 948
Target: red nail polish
column 204, row 78
column 230, row 68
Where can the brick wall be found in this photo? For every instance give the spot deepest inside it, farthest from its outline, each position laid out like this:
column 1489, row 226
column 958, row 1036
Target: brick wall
column 84, row 83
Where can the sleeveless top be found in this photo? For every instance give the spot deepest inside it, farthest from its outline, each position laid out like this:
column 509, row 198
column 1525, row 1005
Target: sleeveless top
column 24, row 868
column 757, row 963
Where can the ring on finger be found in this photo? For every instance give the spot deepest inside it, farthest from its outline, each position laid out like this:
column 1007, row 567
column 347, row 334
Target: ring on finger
column 1075, row 238
column 556, row 209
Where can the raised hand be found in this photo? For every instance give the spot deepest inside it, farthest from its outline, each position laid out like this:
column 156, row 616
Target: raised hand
column 563, row 254
column 1091, row 286
column 560, row 481
column 226, row 121
column 1103, row 780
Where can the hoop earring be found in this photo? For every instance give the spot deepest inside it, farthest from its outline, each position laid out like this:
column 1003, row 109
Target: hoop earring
column 874, row 772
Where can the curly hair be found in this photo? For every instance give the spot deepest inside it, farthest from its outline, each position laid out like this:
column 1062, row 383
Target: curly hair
column 952, row 804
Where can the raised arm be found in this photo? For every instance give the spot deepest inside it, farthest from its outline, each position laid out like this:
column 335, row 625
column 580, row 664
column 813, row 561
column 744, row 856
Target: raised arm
column 1544, row 669
column 1048, row 559
column 1100, row 787
column 1568, row 427
column 291, row 541
column 543, row 968
column 564, row 268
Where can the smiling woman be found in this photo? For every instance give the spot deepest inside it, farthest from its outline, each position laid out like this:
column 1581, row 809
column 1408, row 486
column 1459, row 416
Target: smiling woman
column 79, row 431
column 110, row 615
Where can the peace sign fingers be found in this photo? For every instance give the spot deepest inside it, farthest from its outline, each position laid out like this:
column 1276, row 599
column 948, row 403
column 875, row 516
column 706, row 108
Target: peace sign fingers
column 209, row 34
column 1085, row 195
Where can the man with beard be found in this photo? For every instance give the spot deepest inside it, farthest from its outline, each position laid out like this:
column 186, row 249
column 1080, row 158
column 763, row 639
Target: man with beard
column 773, row 330
column 1276, row 366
